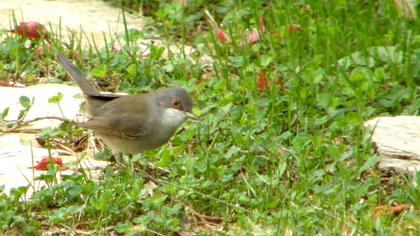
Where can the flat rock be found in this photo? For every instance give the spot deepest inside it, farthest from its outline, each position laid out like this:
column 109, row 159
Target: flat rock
column 41, row 93
column 19, row 151
column 95, row 17
column 397, row 139
column 17, row 163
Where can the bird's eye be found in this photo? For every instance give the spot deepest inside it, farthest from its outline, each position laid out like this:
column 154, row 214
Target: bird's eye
column 176, row 104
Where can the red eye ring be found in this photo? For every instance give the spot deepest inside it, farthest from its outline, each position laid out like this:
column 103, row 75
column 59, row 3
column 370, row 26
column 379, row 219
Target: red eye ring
column 176, row 103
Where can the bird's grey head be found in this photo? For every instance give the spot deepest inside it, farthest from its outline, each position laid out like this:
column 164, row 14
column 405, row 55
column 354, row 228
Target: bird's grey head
column 176, row 104
column 174, row 97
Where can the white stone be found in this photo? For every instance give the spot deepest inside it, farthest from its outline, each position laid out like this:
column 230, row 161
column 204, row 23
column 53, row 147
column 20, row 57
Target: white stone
column 397, row 139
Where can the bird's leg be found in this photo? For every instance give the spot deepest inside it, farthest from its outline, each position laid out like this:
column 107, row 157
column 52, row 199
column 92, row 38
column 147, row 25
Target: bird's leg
column 91, row 145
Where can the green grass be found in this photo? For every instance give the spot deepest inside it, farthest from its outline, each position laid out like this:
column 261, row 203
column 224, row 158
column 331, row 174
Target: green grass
column 291, row 158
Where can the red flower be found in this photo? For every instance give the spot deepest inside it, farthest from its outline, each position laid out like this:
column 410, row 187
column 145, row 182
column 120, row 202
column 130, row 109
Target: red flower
column 117, row 48
column 184, row 2
column 31, row 30
column 43, row 164
column 223, row 36
column 253, row 37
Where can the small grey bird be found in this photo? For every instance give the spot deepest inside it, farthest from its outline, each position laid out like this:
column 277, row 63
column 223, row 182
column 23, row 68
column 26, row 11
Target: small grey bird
column 131, row 124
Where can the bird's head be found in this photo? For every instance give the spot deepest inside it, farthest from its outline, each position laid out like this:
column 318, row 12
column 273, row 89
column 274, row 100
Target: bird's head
column 176, row 104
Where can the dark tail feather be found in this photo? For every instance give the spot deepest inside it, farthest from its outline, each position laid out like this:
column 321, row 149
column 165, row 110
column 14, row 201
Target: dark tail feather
column 77, row 76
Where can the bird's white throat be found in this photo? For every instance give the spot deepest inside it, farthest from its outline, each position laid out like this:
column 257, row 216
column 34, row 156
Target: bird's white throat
column 173, row 118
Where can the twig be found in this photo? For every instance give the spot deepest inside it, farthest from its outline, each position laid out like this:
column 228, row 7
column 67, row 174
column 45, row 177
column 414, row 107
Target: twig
column 29, row 131
column 204, row 217
column 66, row 150
column 146, row 176
column 24, row 123
column 212, row 21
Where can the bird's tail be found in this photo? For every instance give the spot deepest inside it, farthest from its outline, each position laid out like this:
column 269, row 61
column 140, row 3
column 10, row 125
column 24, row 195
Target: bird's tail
column 77, row 76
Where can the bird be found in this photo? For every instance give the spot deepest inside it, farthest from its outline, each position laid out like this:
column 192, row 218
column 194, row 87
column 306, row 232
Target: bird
column 132, row 123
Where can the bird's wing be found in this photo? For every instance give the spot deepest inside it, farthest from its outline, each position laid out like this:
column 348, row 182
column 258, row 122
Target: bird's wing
column 126, row 125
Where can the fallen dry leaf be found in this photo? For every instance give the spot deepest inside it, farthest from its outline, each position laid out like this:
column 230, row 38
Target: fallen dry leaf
column 262, row 24
column 391, row 210
column 293, row 28
column 13, row 84
column 262, row 81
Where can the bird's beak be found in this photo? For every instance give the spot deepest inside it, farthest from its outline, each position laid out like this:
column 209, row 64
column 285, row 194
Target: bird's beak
column 191, row 115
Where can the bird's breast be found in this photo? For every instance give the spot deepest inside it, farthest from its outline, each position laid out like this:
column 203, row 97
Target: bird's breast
column 172, row 118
